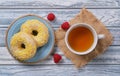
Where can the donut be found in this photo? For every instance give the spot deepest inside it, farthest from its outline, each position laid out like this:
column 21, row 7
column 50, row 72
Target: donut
column 37, row 30
column 22, row 46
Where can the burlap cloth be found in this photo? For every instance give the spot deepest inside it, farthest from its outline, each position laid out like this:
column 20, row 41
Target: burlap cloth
column 85, row 17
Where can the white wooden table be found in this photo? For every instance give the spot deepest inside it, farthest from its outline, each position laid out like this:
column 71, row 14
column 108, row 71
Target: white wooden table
column 108, row 11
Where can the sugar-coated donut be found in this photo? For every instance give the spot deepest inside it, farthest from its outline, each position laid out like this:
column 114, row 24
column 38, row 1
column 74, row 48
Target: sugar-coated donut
column 22, row 46
column 37, row 30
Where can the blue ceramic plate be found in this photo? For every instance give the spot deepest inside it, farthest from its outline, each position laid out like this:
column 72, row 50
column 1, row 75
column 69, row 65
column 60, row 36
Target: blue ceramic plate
column 42, row 52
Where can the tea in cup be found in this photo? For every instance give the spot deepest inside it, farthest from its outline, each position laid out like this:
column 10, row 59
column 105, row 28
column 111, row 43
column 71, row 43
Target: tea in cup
column 81, row 38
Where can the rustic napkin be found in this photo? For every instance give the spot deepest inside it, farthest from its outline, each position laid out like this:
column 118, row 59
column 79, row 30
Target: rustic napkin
column 85, row 17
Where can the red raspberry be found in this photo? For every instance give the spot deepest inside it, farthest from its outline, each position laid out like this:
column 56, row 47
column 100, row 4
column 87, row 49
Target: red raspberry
column 51, row 17
column 57, row 58
column 65, row 26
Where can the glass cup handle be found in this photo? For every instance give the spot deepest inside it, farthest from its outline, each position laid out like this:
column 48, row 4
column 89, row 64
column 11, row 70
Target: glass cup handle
column 101, row 36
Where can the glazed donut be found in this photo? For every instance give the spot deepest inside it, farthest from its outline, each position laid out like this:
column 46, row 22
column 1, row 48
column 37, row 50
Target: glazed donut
column 22, row 46
column 37, row 30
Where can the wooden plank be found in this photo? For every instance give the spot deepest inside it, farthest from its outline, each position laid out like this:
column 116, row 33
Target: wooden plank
column 57, row 4
column 110, row 57
column 110, row 17
column 115, row 32
column 60, row 70
column 7, row 19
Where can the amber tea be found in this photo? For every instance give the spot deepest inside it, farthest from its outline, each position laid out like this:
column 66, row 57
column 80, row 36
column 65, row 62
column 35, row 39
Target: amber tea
column 80, row 39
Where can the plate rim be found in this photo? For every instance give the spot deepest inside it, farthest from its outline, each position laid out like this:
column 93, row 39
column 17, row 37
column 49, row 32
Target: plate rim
column 6, row 41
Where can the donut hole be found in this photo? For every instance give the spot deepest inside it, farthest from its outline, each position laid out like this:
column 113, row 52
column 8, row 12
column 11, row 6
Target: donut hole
column 34, row 32
column 23, row 46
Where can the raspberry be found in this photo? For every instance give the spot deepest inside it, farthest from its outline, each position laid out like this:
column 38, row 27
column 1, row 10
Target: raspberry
column 57, row 58
column 51, row 17
column 65, row 26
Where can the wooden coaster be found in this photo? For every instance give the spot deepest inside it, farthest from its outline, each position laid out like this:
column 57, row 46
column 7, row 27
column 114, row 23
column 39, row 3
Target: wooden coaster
column 85, row 17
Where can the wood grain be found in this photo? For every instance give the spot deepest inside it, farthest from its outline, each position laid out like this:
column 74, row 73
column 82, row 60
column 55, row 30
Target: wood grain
column 57, row 4
column 107, row 11
column 110, row 17
column 59, row 70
